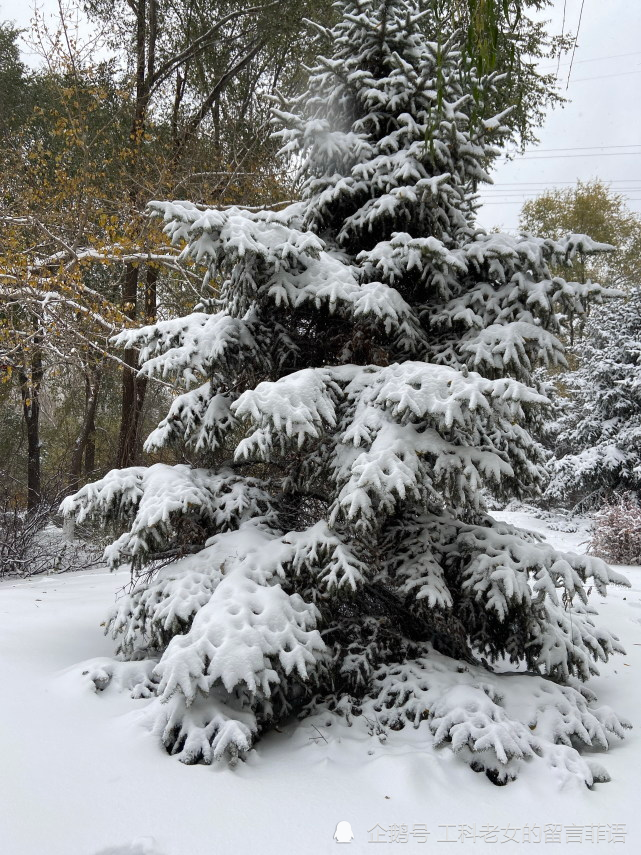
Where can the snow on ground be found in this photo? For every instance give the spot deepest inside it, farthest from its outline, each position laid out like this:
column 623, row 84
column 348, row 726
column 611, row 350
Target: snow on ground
column 81, row 775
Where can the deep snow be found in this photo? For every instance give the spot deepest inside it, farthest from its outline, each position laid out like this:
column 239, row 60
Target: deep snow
column 82, row 776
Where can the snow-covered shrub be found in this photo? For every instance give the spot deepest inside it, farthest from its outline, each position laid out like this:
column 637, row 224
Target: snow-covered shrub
column 363, row 371
column 616, row 532
column 19, row 533
column 31, row 543
column 598, row 443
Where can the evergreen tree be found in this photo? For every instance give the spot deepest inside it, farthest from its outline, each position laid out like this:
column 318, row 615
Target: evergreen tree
column 16, row 93
column 598, row 442
column 360, row 367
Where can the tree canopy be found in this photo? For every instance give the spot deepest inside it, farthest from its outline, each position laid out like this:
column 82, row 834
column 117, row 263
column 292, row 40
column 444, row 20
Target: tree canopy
column 591, row 207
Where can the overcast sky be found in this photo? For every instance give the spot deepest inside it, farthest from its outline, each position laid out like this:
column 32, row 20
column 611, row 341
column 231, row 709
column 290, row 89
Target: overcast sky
column 597, row 134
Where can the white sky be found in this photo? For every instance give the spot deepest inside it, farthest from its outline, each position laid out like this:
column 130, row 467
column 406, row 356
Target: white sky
column 597, row 134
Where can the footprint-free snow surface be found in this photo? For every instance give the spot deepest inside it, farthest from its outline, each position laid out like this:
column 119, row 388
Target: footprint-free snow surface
column 80, row 774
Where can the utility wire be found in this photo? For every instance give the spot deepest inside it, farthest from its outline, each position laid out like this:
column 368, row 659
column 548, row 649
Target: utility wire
column 551, row 190
column 609, row 181
column 497, row 197
column 539, row 192
column 535, row 191
column 558, row 62
column 587, row 154
column 576, row 39
column 594, row 59
column 518, row 201
column 605, row 76
column 584, row 148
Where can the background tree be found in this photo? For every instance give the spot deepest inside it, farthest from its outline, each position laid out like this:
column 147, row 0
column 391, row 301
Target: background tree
column 510, row 37
column 598, row 441
column 65, row 242
column 593, row 208
column 196, row 69
column 72, row 234
column 60, row 161
column 593, row 434
column 14, row 84
column 364, row 367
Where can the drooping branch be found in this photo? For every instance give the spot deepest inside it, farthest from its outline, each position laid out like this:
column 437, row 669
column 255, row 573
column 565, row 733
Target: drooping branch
column 194, row 122
column 202, row 42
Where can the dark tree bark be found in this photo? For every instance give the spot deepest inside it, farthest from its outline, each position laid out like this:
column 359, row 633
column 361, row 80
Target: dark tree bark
column 30, row 383
column 134, row 386
column 128, row 417
column 90, row 448
column 87, row 430
column 133, row 391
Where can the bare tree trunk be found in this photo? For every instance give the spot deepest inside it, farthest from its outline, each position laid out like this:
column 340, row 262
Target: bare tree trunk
column 151, row 314
column 92, row 386
column 90, row 445
column 134, row 387
column 30, row 382
column 128, row 419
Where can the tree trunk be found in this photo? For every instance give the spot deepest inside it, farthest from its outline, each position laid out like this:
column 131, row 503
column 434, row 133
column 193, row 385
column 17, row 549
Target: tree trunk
column 92, row 386
column 128, row 419
column 30, row 382
column 90, row 447
column 134, row 386
column 151, row 314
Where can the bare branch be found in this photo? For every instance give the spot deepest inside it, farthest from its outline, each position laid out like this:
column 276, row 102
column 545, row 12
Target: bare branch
column 202, row 42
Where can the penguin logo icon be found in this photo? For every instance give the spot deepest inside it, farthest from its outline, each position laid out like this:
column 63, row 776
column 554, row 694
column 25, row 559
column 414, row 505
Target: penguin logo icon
column 343, row 833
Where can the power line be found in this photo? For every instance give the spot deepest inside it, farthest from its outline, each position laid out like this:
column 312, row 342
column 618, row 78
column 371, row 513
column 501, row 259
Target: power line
column 584, row 148
column 549, row 189
column 522, row 194
column 594, row 59
column 609, row 181
column 514, row 200
column 533, row 186
column 576, row 39
column 499, row 197
column 587, row 154
column 518, row 202
column 605, row 76
column 558, row 62
column 499, row 191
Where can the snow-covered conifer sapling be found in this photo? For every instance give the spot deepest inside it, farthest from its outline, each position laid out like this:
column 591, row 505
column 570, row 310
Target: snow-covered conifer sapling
column 598, row 437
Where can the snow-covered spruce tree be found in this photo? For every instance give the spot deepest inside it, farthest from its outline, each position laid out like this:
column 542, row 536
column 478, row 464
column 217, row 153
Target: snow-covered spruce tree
column 598, row 444
column 360, row 368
